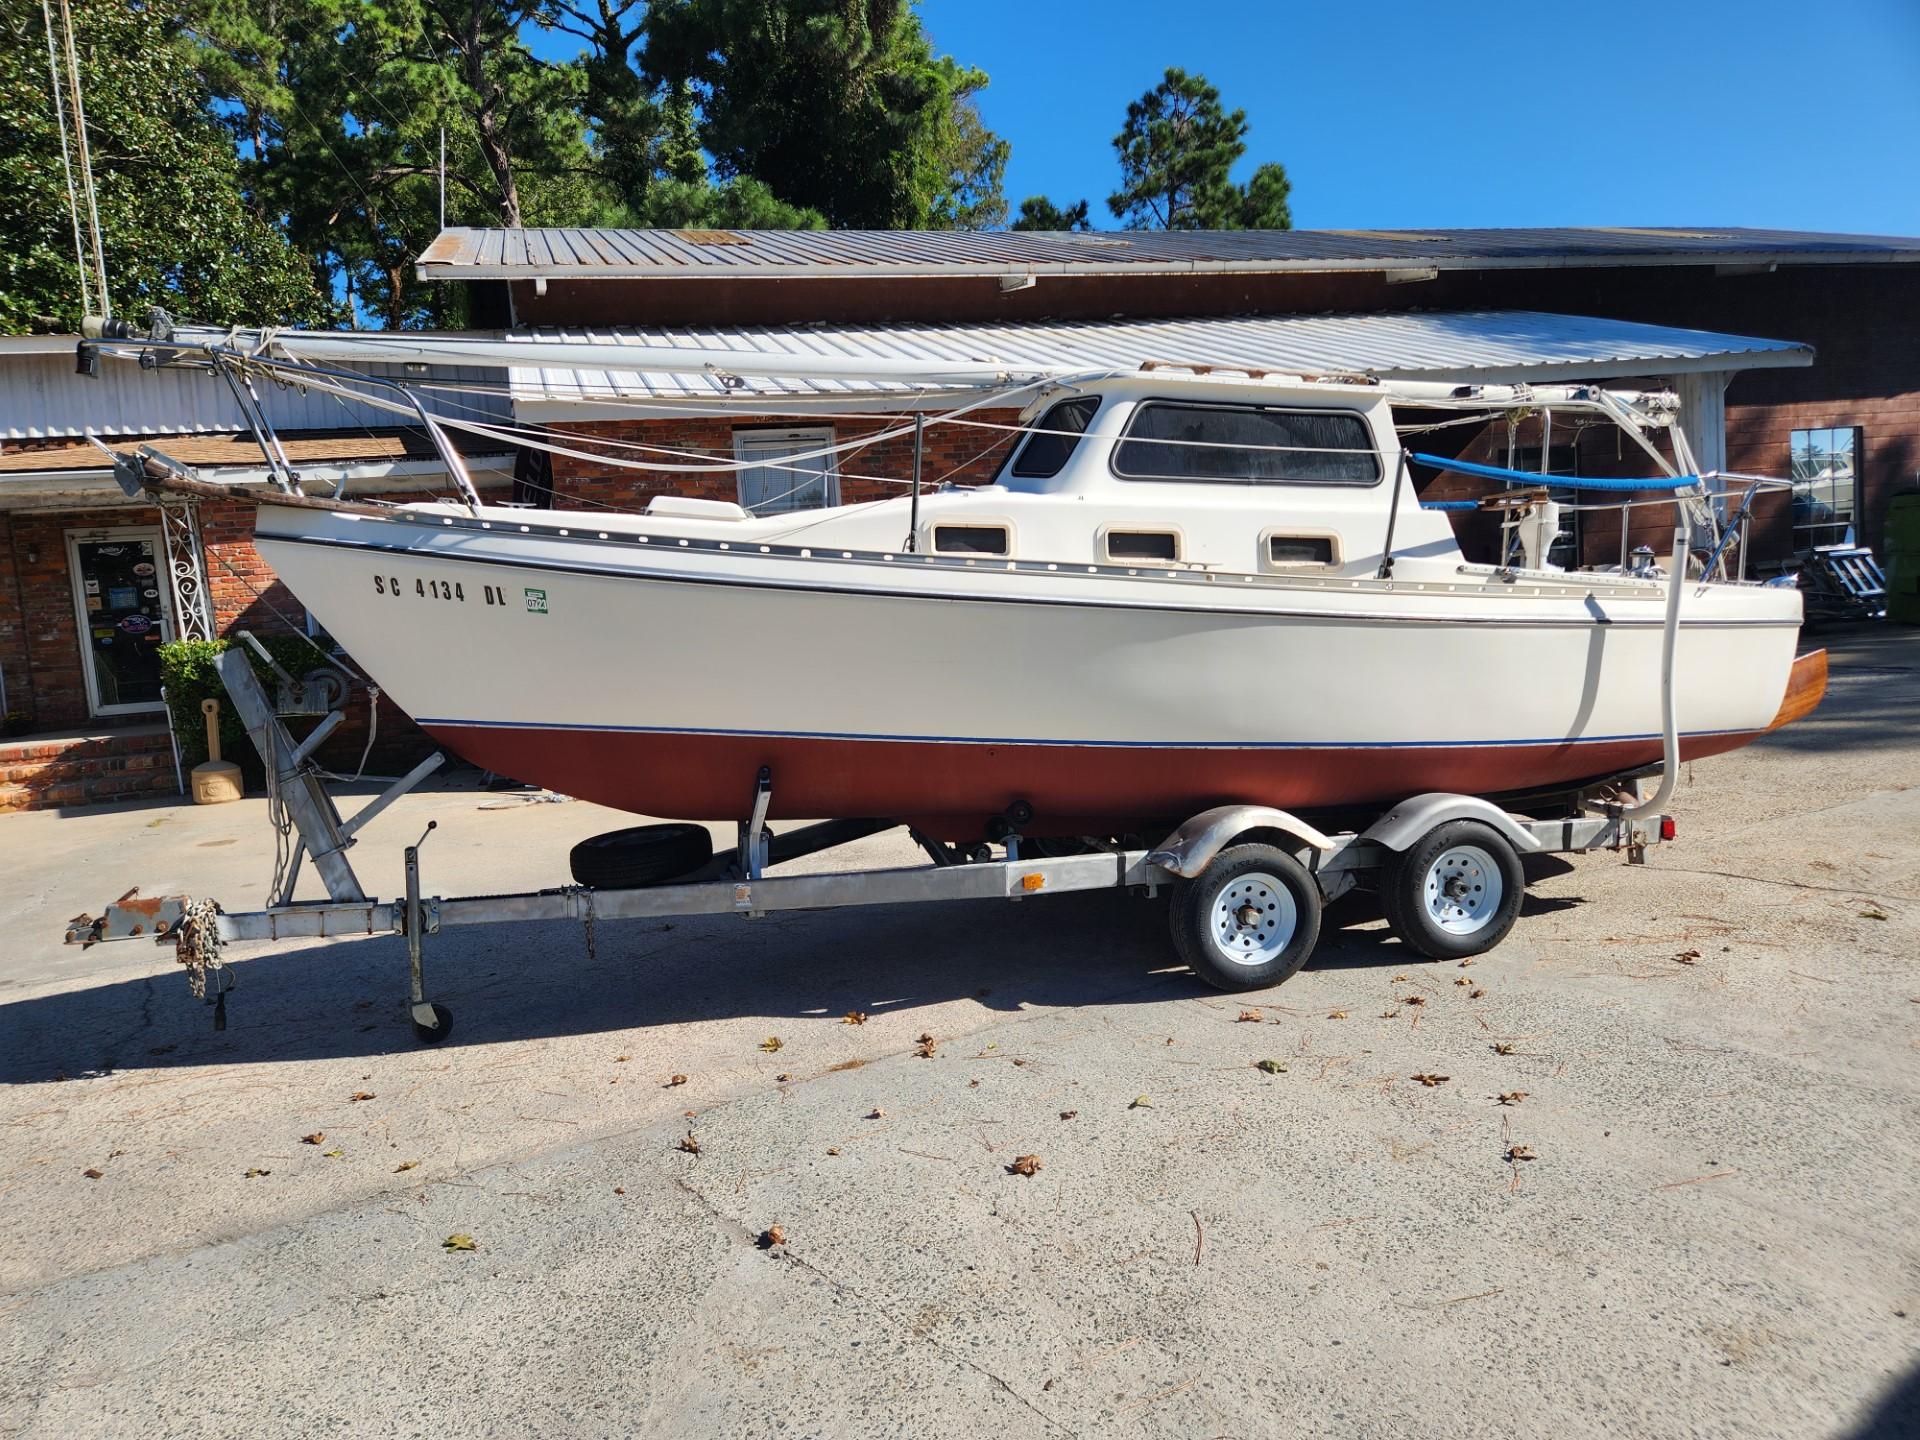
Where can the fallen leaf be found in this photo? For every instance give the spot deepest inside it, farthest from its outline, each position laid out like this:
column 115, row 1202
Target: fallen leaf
column 406, row 1165
column 1272, row 1067
column 93, row 1174
column 256, row 1172
column 1502, row 1047
column 1413, row 1000
column 1874, row 912
column 782, row 1078
column 621, row 1059
column 973, row 1084
column 854, row 1017
column 1336, row 1015
column 924, row 1047
column 1019, row 1064
column 619, row 1189
column 1475, row 993
column 1463, row 980
column 1511, row 1097
column 690, row 1144
column 1466, row 962
column 313, row 1139
column 359, row 1095
column 770, row 1044
column 459, row 1240
column 673, row 1080
column 1141, row 1102
column 333, row 1154
column 876, row 1113
column 1521, row 1152
column 1401, row 980
column 1686, row 957
column 1025, row 1165
column 1430, row 1080
column 1388, row 1014
column 1247, row 1016
column 833, row 1149
column 773, row 1235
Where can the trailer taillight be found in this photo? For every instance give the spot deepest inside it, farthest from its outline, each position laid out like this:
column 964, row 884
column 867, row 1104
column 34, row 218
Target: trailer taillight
column 1666, row 827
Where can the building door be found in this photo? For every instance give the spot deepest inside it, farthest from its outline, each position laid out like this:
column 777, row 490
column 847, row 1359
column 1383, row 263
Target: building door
column 120, row 600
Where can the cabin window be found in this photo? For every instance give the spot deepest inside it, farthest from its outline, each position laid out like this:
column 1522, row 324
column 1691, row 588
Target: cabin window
column 1161, row 545
column 970, row 539
column 1290, row 552
column 1823, row 485
column 1251, row 444
column 1054, row 439
column 784, row 472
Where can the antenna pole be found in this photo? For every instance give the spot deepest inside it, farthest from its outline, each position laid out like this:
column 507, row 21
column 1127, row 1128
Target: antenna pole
column 443, row 177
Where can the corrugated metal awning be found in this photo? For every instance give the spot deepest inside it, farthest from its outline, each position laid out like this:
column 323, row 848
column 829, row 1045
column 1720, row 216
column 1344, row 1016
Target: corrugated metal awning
column 1486, row 346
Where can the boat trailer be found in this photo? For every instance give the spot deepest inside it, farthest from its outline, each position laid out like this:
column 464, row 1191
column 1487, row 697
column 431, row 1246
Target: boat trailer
column 1249, row 881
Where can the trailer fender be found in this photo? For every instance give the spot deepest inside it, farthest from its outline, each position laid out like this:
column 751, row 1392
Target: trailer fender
column 1401, row 827
column 1191, row 848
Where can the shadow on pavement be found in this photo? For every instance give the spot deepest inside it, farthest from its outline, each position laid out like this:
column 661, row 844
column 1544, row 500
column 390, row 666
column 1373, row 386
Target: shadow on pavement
column 530, row 981
column 1895, row 1417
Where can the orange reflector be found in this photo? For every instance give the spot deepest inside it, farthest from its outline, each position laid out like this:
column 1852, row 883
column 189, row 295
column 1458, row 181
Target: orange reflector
column 1033, row 882
column 1666, row 827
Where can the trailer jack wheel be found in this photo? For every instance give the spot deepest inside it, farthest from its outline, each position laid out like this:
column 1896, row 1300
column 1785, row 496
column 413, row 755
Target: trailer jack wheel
column 431, row 1023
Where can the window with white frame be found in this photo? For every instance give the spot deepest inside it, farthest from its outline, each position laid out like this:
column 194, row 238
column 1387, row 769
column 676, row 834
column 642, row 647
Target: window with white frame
column 1824, row 465
column 784, row 470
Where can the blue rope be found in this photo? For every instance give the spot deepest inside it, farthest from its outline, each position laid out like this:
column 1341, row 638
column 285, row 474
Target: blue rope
column 1449, row 504
column 1559, row 482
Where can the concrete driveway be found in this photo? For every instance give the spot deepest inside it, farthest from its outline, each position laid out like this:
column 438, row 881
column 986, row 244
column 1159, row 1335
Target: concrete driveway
column 1695, row 1213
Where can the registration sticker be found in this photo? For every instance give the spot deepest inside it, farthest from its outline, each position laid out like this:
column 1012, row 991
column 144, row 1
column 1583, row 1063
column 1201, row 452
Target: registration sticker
column 537, row 602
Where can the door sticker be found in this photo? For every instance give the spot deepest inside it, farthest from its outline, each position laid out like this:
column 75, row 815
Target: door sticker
column 143, row 570
column 536, row 602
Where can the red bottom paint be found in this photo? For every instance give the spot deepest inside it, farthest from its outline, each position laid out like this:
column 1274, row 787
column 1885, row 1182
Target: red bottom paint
column 952, row 789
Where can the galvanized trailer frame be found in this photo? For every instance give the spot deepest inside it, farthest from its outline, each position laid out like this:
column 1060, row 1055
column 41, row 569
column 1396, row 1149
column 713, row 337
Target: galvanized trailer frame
column 737, row 882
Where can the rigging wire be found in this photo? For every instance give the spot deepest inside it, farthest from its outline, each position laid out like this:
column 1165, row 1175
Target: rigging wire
column 66, row 162
column 86, row 160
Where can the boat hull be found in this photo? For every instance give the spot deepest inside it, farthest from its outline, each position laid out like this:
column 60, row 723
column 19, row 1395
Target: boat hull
column 662, row 682
column 949, row 788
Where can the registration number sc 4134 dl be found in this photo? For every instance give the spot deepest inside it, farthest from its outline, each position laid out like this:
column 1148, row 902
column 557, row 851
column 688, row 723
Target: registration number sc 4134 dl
column 456, row 591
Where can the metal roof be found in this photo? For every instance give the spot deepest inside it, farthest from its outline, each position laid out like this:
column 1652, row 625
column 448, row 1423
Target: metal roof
column 527, row 254
column 1496, row 346
column 42, row 398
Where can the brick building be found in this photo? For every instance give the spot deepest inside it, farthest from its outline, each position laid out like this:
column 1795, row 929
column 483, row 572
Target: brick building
column 1828, row 392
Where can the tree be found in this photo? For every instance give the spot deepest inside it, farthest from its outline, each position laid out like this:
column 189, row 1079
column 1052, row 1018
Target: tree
column 839, row 106
column 177, row 229
column 1037, row 212
column 1176, row 149
column 1263, row 200
column 626, row 117
column 340, row 105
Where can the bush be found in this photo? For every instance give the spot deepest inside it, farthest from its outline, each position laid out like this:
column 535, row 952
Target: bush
column 187, row 670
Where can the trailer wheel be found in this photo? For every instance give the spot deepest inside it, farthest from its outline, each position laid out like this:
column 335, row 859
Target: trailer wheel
column 1455, row 892
column 1249, row 920
column 642, row 855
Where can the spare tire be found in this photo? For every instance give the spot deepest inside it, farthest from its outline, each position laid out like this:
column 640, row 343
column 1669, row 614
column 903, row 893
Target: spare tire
column 643, row 855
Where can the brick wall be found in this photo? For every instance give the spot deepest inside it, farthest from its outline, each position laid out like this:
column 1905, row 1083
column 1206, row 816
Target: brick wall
column 40, row 601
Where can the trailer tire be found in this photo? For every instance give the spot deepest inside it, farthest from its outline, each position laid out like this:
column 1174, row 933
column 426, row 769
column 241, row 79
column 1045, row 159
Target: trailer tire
column 1454, row 892
column 641, row 855
column 1249, row 920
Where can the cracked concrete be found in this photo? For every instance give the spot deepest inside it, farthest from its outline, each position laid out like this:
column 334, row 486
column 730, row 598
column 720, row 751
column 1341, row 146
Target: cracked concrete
column 1716, row 1237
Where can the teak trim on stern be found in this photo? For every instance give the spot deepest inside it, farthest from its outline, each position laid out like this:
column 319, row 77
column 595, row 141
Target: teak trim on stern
column 1806, row 687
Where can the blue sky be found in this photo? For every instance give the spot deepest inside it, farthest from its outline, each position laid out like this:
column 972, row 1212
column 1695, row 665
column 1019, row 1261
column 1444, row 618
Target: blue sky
column 1396, row 113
